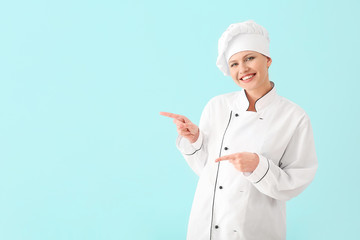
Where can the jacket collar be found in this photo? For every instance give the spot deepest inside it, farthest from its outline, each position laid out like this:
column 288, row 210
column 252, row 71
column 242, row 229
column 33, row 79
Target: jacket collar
column 261, row 103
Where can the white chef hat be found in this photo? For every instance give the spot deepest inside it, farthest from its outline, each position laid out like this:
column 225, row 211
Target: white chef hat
column 243, row 36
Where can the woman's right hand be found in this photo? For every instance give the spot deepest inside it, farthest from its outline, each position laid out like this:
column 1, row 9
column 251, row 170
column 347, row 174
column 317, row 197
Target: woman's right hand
column 184, row 126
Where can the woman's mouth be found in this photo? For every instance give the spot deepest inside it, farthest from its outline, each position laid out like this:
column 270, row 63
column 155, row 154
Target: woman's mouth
column 248, row 78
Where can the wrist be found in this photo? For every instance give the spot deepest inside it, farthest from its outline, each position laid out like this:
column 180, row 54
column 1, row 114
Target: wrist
column 256, row 160
column 196, row 136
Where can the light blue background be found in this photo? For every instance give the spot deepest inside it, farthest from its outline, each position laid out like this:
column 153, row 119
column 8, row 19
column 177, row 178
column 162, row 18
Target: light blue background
column 84, row 153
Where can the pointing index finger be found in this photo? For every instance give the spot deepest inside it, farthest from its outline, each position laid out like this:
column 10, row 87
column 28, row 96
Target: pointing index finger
column 175, row 116
column 228, row 157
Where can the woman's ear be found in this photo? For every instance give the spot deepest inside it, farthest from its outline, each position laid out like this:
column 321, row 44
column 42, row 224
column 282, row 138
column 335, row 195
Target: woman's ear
column 269, row 61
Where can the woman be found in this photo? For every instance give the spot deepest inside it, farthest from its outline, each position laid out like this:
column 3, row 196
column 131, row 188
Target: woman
column 253, row 149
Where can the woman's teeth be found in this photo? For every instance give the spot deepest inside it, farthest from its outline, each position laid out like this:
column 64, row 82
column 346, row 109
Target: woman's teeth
column 247, row 77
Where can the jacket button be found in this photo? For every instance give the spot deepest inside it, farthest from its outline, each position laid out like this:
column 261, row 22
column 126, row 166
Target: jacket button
column 236, row 115
column 216, row 226
column 221, row 187
column 226, row 148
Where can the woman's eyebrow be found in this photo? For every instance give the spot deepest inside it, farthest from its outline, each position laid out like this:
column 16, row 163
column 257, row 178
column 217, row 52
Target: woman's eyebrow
column 242, row 57
column 247, row 55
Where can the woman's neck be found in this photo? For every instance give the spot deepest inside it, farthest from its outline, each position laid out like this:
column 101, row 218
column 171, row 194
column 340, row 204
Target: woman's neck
column 254, row 95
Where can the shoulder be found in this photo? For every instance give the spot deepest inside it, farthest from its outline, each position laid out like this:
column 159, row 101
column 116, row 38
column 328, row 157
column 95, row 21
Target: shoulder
column 221, row 104
column 223, row 100
column 293, row 110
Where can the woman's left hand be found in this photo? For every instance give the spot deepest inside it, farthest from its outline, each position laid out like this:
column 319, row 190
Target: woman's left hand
column 243, row 161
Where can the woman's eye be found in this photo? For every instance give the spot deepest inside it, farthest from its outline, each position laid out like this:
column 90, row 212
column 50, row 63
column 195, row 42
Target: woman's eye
column 249, row 58
column 233, row 64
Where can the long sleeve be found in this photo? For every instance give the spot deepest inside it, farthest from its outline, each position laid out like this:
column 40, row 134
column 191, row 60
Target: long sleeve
column 196, row 153
column 296, row 169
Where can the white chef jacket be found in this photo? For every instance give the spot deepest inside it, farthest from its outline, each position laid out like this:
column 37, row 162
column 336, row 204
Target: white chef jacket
column 229, row 204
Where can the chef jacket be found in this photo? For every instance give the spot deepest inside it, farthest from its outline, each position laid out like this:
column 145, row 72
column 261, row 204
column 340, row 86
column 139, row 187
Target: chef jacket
column 230, row 204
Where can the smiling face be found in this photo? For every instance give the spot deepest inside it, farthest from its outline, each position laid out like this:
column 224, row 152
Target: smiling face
column 249, row 70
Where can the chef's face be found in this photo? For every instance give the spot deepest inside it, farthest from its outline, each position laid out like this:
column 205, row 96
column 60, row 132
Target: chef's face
column 249, row 70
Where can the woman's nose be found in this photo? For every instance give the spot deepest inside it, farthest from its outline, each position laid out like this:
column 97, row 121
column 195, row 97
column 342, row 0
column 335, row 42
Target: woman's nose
column 243, row 68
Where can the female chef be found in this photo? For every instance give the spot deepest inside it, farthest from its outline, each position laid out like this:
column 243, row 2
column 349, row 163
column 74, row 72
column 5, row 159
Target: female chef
column 253, row 149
